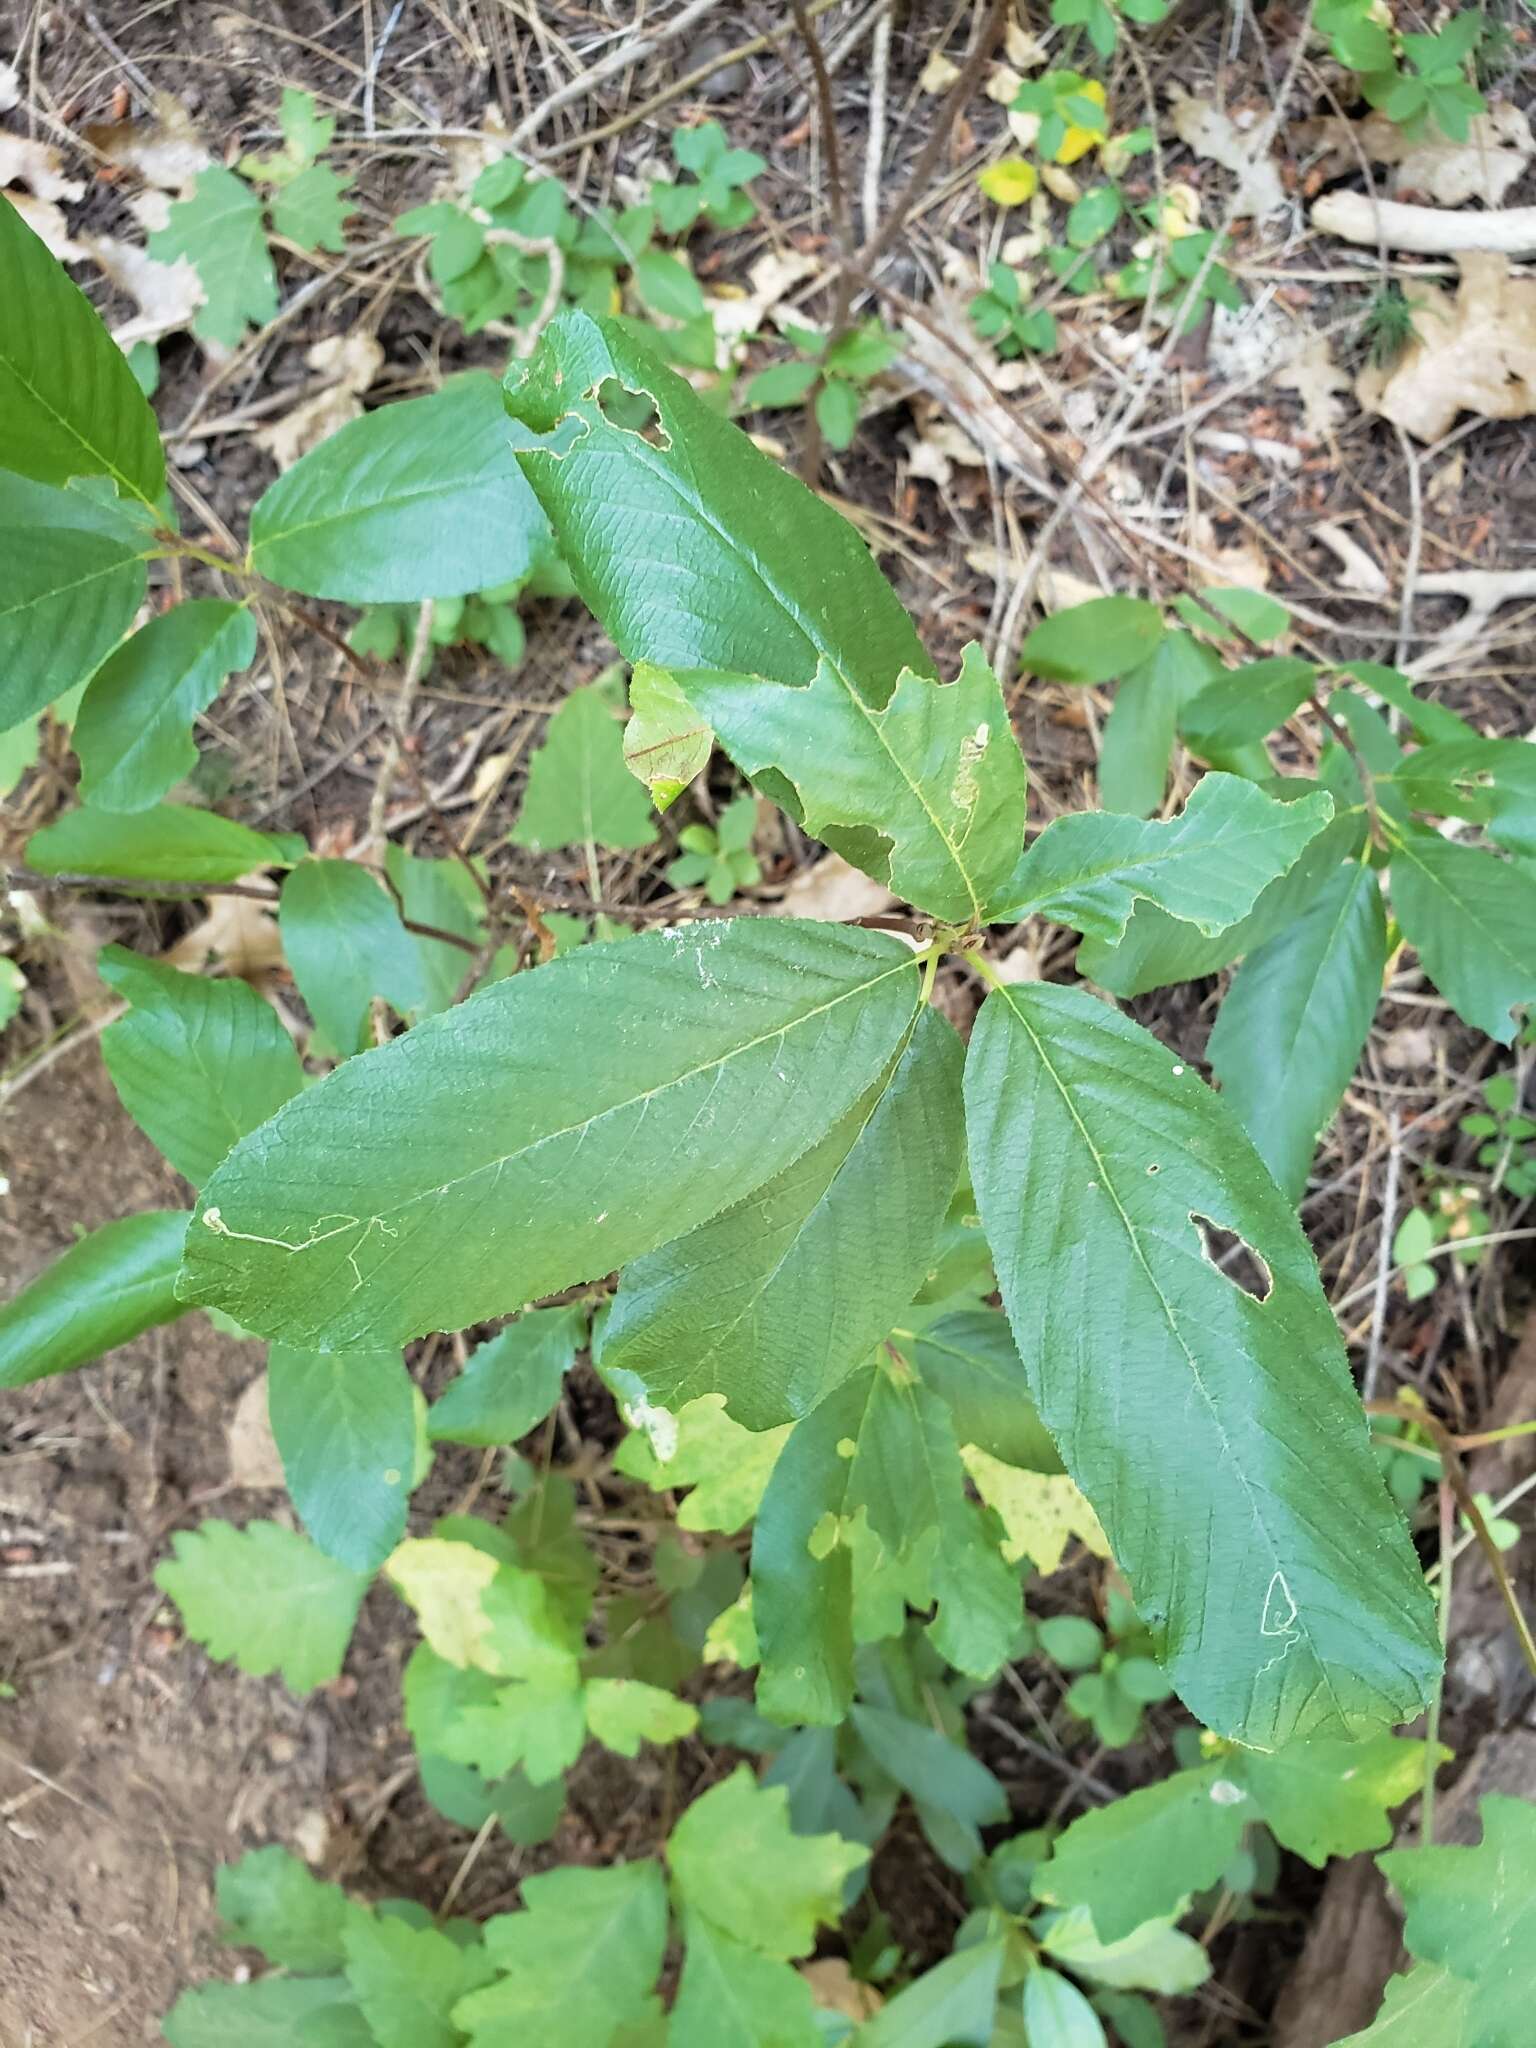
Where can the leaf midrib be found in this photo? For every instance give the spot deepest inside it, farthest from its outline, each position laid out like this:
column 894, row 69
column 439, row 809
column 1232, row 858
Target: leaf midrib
column 1175, row 1331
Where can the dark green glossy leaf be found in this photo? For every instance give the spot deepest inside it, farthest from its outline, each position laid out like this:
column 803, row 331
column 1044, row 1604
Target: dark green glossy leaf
column 104, row 1291
column 133, row 732
column 1217, row 1435
column 1492, row 782
column 170, row 843
column 971, row 1360
column 551, row 1127
column 344, row 941
column 69, row 596
column 1472, row 919
column 511, row 1381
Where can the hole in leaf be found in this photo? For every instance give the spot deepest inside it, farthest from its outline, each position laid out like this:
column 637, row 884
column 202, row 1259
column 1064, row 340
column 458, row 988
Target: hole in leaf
column 1234, row 1258
column 633, row 412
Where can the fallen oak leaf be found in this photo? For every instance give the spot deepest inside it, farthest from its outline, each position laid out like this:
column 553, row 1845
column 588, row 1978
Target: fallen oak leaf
column 1475, row 352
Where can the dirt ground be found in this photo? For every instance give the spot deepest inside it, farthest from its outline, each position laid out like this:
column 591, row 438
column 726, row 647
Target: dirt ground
column 130, row 1767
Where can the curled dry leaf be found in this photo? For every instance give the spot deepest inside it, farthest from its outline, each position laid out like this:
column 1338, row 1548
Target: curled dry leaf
column 345, row 365
column 1475, row 352
column 38, row 166
column 165, row 151
column 938, row 74
column 239, row 935
column 835, row 1988
column 1498, row 148
column 938, row 444
column 771, row 278
column 167, row 294
column 1204, row 128
column 47, row 222
column 1317, row 380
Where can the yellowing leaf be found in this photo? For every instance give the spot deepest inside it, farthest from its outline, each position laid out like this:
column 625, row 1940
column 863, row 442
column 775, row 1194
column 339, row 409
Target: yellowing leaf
column 1010, row 182
column 1078, row 141
column 1041, row 1511
column 441, row 1582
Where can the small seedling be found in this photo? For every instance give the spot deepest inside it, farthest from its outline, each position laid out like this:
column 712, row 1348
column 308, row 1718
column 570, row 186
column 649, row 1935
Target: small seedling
column 834, row 379
column 719, row 859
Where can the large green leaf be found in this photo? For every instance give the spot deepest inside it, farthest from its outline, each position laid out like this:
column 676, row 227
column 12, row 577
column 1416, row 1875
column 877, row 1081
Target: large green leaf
column 693, row 548
column 271, row 1901
column 271, row 2013
column 1424, row 2008
column 345, row 1428
column 267, row 1598
column 953, row 2005
column 170, row 843
column 69, row 400
column 1492, row 782
column 133, row 732
column 779, row 1297
column 732, row 1997
column 970, row 1359
column 1093, row 642
column 1158, row 949
column 1295, row 1020
column 579, row 1960
column 106, row 1290
column 1246, row 703
column 197, row 1063
column 955, row 1794
column 419, row 499
column 1474, row 1912
column 927, row 792
column 579, row 791
column 1217, row 1434
column 408, row 1980
column 1472, row 919
column 345, row 943
column 1207, row 867
column 68, row 597
column 551, row 1127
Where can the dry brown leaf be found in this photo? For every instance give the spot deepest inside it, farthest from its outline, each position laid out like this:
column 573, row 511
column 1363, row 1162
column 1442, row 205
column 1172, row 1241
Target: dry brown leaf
column 239, row 934
column 833, row 892
column 1498, row 148
column 1024, row 51
column 1058, row 590
column 165, row 151
column 938, row 444
column 1244, row 566
column 253, row 1454
column 348, row 363
column 771, row 278
column 1204, row 128
column 938, row 74
column 1316, row 379
column 47, row 222
column 1475, row 352
column 835, row 1988
column 1357, row 570
column 167, row 294
column 38, row 166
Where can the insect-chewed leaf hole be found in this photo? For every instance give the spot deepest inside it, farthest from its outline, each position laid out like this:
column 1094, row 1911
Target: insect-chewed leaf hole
column 1234, row 1258
column 635, row 412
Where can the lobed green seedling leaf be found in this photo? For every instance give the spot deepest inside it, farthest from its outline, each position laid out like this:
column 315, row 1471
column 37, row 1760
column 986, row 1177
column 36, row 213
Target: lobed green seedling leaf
column 264, row 1597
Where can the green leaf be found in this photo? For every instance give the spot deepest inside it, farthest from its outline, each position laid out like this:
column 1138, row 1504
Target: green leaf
column 622, row 1713
column 1424, row 2008
column 273, row 2013
column 738, row 1865
column 106, row 1290
column 218, row 229
column 1293, row 1024
column 345, row 1429
column 69, row 399
column 344, row 941
column 170, row 843
column 696, row 551
column 731, row 1997
column 311, row 208
column 781, row 384
column 1208, row 866
column 1332, row 1798
column 1142, row 1855
column 266, row 1598
column 270, row 1901
column 1057, row 2012
column 1144, row 720
column 511, row 1381
column 1469, row 916
column 430, row 1184
column 1093, row 642
column 196, row 1063
column 969, row 1358
column 69, row 596
column 134, row 729
column 419, row 499
column 927, row 794
column 837, row 411
column 1256, row 616
column 580, row 792
column 1246, row 703
column 1092, row 217
column 726, row 1465
column 1492, row 782
column 667, row 285
column 953, row 2005
column 442, row 893
column 1158, row 949
column 1474, row 1912
column 666, row 743
column 537, row 1726
column 940, row 1777
column 1042, row 1512
column 1155, row 1957
column 1430, row 721
column 776, row 1299
column 579, row 1961
column 408, row 1980
column 1224, row 1451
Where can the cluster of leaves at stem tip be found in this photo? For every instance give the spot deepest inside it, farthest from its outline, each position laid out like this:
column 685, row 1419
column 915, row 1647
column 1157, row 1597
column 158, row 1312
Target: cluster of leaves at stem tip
column 811, row 1191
